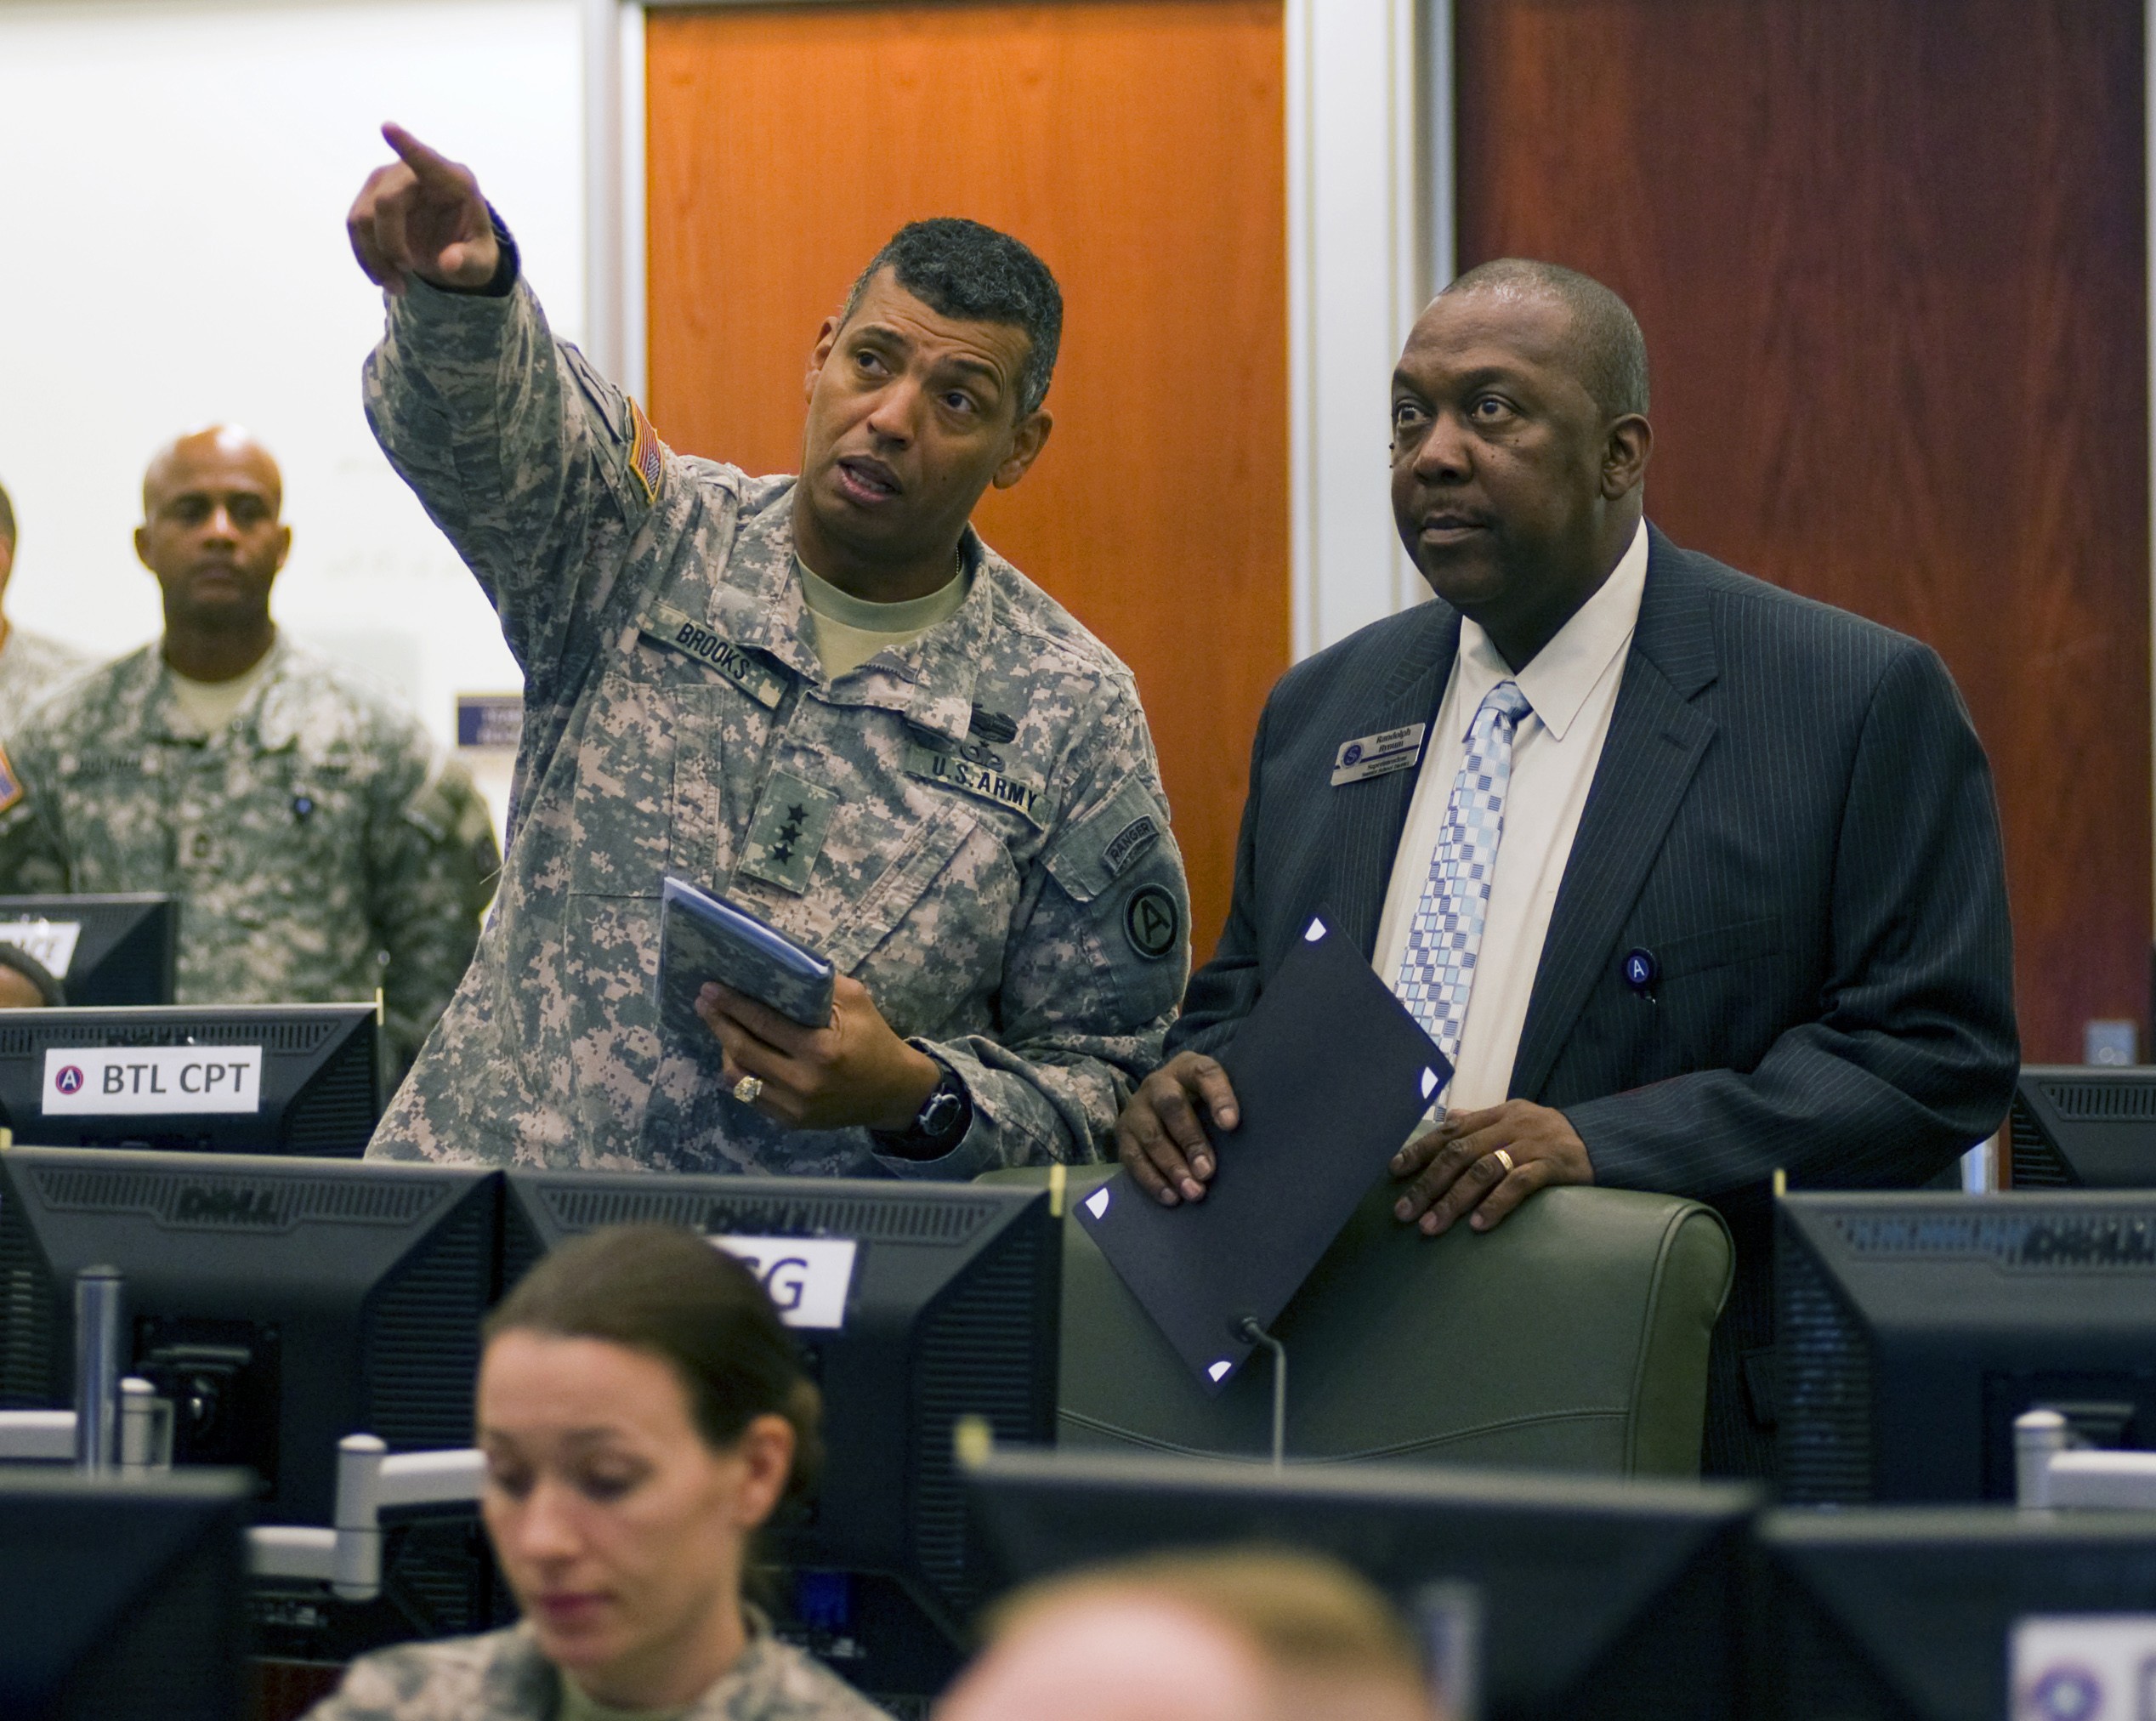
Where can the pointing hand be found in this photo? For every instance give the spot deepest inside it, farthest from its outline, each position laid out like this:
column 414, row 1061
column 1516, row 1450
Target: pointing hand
column 423, row 215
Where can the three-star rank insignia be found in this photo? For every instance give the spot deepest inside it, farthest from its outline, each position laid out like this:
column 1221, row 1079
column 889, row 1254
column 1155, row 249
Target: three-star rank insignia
column 787, row 833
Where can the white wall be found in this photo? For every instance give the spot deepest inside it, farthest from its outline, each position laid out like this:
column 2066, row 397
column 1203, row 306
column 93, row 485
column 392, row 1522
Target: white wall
column 173, row 175
column 173, row 179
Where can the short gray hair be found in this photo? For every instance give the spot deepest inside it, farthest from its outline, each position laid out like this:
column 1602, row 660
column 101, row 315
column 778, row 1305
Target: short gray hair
column 1608, row 351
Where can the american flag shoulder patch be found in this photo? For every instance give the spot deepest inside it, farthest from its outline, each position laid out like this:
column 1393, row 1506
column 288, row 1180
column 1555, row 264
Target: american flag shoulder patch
column 646, row 457
column 10, row 784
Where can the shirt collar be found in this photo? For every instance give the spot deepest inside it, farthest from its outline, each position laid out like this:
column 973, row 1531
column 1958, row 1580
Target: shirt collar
column 930, row 682
column 1559, row 678
column 277, row 724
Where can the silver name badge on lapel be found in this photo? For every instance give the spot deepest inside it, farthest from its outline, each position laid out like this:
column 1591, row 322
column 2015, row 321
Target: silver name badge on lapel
column 1375, row 755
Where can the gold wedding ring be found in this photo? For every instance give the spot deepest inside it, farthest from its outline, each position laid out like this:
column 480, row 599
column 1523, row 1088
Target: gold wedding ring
column 1504, row 1159
column 749, row 1087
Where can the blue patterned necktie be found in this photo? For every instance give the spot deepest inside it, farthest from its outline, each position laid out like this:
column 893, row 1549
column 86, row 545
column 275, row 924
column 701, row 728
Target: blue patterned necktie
column 1438, row 972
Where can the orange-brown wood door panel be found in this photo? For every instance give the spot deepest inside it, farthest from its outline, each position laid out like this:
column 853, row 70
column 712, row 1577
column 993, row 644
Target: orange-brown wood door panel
column 1889, row 258
column 1140, row 150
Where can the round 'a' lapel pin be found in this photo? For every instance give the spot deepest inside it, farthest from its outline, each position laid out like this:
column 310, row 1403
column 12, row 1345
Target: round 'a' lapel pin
column 1641, row 969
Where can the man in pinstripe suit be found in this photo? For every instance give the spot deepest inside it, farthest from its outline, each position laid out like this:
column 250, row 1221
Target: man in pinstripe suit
column 1748, row 907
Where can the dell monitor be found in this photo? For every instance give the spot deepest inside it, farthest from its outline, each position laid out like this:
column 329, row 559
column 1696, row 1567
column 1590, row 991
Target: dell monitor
column 916, row 1305
column 1912, row 1329
column 120, row 1600
column 103, row 949
column 228, row 1078
column 1600, row 1600
column 2074, row 1126
column 1909, row 1612
column 280, row 1305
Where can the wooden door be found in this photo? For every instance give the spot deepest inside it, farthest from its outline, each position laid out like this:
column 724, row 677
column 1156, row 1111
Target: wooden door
column 1140, row 150
column 1889, row 257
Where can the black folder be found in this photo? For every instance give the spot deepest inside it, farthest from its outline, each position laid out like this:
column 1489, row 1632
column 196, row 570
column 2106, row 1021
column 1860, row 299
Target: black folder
column 1331, row 1074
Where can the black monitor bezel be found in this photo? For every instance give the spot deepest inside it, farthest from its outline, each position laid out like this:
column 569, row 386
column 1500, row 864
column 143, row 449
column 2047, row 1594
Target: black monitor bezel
column 289, row 1130
column 153, row 919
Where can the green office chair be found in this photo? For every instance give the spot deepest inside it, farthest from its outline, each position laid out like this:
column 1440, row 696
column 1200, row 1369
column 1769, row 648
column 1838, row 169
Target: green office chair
column 1573, row 1337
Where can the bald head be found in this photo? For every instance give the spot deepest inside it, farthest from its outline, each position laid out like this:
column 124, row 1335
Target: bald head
column 1602, row 343
column 1115, row 1657
column 210, row 533
column 1235, row 1635
column 216, row 448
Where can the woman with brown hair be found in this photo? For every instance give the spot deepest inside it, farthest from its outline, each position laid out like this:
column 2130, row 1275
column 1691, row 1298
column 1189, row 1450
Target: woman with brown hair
column 643, row 1412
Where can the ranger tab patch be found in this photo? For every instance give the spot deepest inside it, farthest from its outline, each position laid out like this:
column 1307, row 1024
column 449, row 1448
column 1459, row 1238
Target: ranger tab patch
column 645, row 453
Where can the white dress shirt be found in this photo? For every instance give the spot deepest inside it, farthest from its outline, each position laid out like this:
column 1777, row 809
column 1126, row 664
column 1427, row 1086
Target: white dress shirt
column 1572, row 685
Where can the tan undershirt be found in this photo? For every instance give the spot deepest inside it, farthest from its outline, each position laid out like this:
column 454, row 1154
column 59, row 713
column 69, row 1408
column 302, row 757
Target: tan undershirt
column 851, row 630
column 210, row 705
column 576, row 1706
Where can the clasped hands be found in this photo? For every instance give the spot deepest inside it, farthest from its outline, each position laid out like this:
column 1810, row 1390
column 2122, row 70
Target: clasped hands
column 1451, row 1171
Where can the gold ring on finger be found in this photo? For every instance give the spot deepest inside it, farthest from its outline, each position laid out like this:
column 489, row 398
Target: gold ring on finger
column 1504, row 1159
column 749, row 1087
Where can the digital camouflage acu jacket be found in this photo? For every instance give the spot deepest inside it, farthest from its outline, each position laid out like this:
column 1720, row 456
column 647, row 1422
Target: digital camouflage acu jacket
column 972, row 825
column 502, row 1677
column 32, row 666
column 320, row 843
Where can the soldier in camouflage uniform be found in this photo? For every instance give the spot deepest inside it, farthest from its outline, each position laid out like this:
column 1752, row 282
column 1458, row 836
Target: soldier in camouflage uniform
column 321, row 844
column 31, row 665
column 502, row 1677
column 970, row 825
column 643, row 1412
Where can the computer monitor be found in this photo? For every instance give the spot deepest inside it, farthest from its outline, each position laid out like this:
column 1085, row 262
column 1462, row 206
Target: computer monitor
column 281, row 1304
column 946, row 1306
column 1600, row 1599
column 2074, row 1126
column 1907, row 1612
column 105, row 950
column 1912, row 1329
column 120, row 1600
column 228, row 1078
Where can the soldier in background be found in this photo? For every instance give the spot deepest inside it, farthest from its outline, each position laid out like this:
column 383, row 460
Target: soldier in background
column 321, row 845
column 825, row 696
column 31, row 665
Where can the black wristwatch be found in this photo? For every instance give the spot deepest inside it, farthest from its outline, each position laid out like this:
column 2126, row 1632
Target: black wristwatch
column 944, row 1118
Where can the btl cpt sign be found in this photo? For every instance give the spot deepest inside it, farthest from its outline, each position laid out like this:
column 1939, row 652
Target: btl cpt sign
column 86, row 1080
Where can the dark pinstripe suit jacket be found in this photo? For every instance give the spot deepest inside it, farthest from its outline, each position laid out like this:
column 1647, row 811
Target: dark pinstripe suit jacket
column 1793, row 814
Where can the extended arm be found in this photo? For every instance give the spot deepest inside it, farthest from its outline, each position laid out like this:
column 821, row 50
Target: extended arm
column 538, row 470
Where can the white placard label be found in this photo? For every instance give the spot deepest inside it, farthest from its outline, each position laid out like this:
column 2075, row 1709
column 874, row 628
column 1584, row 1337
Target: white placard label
column 51, row 942
column 129, row 1081
column 806, row 1278
column 2084, row 1667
